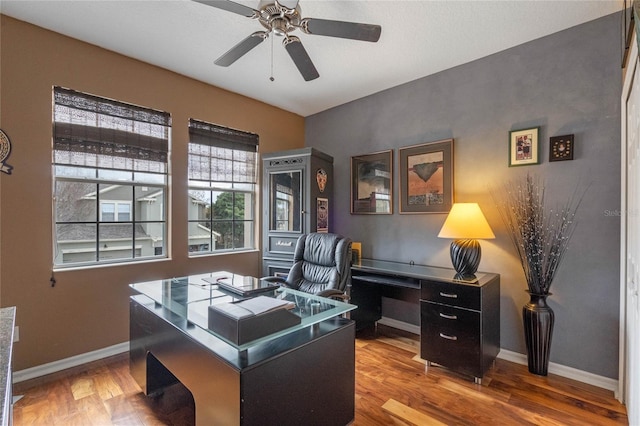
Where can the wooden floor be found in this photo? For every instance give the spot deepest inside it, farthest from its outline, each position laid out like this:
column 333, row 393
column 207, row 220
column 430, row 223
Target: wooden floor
column 391, row 388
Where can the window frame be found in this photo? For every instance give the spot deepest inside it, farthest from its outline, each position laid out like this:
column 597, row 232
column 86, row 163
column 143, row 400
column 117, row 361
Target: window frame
column 214, row 188
column 140, row 166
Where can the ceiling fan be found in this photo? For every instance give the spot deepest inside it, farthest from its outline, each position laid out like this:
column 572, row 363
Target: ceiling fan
column 281, row 18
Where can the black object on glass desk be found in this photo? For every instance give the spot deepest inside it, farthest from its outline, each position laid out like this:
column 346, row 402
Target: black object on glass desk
column 459, row 319
column 242, row 285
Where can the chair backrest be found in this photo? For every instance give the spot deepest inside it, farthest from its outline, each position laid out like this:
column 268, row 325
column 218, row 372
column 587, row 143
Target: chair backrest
column 321, row 262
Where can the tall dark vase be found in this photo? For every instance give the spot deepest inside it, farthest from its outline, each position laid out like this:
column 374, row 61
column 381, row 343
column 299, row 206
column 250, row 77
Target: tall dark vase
column 538, row 318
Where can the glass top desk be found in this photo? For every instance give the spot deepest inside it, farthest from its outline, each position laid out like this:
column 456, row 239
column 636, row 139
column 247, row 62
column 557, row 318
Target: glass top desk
column 309, row 366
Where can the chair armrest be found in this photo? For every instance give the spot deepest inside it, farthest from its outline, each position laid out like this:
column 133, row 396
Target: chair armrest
column 334, row 294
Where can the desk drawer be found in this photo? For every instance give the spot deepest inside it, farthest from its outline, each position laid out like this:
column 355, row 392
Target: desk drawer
column 464, row 296
column 451, row 337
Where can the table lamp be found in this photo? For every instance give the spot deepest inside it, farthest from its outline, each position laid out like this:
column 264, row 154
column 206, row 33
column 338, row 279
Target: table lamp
column 465, row 224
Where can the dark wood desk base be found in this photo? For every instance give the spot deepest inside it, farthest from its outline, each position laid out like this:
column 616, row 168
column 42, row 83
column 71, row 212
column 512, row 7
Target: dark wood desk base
column 459, row 321
column 306, row 377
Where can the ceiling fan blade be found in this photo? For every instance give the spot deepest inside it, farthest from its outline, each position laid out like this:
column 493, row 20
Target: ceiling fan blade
column 288, row 4
column 300, row 57
column 240, row 49
column 352, row 30
column 230, row 6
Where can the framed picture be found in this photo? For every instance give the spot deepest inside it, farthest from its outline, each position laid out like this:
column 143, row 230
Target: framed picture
column 561, row 148
column 523, row 147
column 356, row 253
column 426, row 177
column 322, row 216
column 372, row 183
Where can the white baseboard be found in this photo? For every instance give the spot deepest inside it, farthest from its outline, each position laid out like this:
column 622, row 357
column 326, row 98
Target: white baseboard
column 74, row 361
column 564, row 371
column 518, row 358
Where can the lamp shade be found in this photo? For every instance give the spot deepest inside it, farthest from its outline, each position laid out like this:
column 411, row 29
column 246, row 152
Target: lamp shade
column 466, row 221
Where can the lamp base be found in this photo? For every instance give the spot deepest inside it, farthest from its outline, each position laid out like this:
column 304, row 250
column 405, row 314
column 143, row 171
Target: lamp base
column 465, row 256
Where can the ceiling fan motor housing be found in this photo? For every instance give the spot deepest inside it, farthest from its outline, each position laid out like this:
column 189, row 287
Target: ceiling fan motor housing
column 278, row 19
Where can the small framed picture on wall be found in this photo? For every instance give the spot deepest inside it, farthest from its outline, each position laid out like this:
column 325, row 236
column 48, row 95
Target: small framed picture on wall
column 524, row 149
column 561, row 148
column 322, row 215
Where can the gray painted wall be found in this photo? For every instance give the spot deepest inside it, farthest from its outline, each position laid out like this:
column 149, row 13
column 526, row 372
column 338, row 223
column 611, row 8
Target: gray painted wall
column 566, row 83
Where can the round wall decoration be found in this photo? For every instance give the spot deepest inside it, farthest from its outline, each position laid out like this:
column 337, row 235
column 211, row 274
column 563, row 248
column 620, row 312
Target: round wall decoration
column 5, row 151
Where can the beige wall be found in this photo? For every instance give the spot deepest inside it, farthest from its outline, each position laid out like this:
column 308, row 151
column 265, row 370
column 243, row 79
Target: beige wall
column 88, row 309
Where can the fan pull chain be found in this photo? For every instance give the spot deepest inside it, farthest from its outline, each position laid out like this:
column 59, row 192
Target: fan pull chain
column 271, row 78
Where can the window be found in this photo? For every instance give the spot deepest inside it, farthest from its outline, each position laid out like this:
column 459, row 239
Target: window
column 110, row 165
column 222, row 188
column 115, row 211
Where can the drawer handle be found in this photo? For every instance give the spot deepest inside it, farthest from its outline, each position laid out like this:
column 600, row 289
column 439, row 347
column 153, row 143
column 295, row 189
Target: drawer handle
column 449, row 295
column 451, row 317
column 445, row 336
column 284, row 243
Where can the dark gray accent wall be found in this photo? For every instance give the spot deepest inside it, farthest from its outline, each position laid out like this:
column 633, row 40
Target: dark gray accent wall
column 566, row 83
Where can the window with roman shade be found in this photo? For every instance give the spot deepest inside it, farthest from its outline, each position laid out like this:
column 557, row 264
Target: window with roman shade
column 110, row 165
column 222, row 188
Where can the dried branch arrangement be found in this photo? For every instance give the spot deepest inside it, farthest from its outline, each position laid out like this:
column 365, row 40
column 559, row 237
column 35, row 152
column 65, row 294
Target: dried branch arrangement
column 540, row 236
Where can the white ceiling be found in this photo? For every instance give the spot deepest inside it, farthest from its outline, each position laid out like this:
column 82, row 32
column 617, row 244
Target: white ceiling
column 418, row 38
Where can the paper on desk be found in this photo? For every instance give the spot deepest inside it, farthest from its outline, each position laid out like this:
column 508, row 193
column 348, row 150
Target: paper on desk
column 261, row 304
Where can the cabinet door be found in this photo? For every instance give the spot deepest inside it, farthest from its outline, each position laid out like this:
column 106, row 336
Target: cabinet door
column 285, row 201
column 451, row 337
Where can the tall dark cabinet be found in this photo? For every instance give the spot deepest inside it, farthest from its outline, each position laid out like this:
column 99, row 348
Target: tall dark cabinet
column 297, row 188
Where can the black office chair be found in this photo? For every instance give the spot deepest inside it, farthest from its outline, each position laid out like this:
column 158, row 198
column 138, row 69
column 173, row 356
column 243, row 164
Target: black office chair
column 321, row 265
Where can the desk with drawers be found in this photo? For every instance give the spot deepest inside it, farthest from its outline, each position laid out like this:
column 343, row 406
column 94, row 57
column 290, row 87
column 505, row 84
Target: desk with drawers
column 459, row 319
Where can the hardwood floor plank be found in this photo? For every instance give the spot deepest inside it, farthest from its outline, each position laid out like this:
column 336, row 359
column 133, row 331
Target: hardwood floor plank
column 407, row 415
column 105, row 384
column 81, row 388
column 93, row 407
column 391, row 388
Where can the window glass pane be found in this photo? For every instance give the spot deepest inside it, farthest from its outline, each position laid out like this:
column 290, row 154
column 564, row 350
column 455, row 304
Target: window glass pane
column 223, row 232
column 222, row 206
column 243, row 206
column 200, row 236
column 244, row 186
column 243, row 235
column 115, row 175
column 116, row 241
column 199, row 184
column 156, row 232
column 150, row 203
column 75, row 171
column 75, row 201
column 158, row 179
column 76, row 243
column 199, row 205
column 223, row 185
